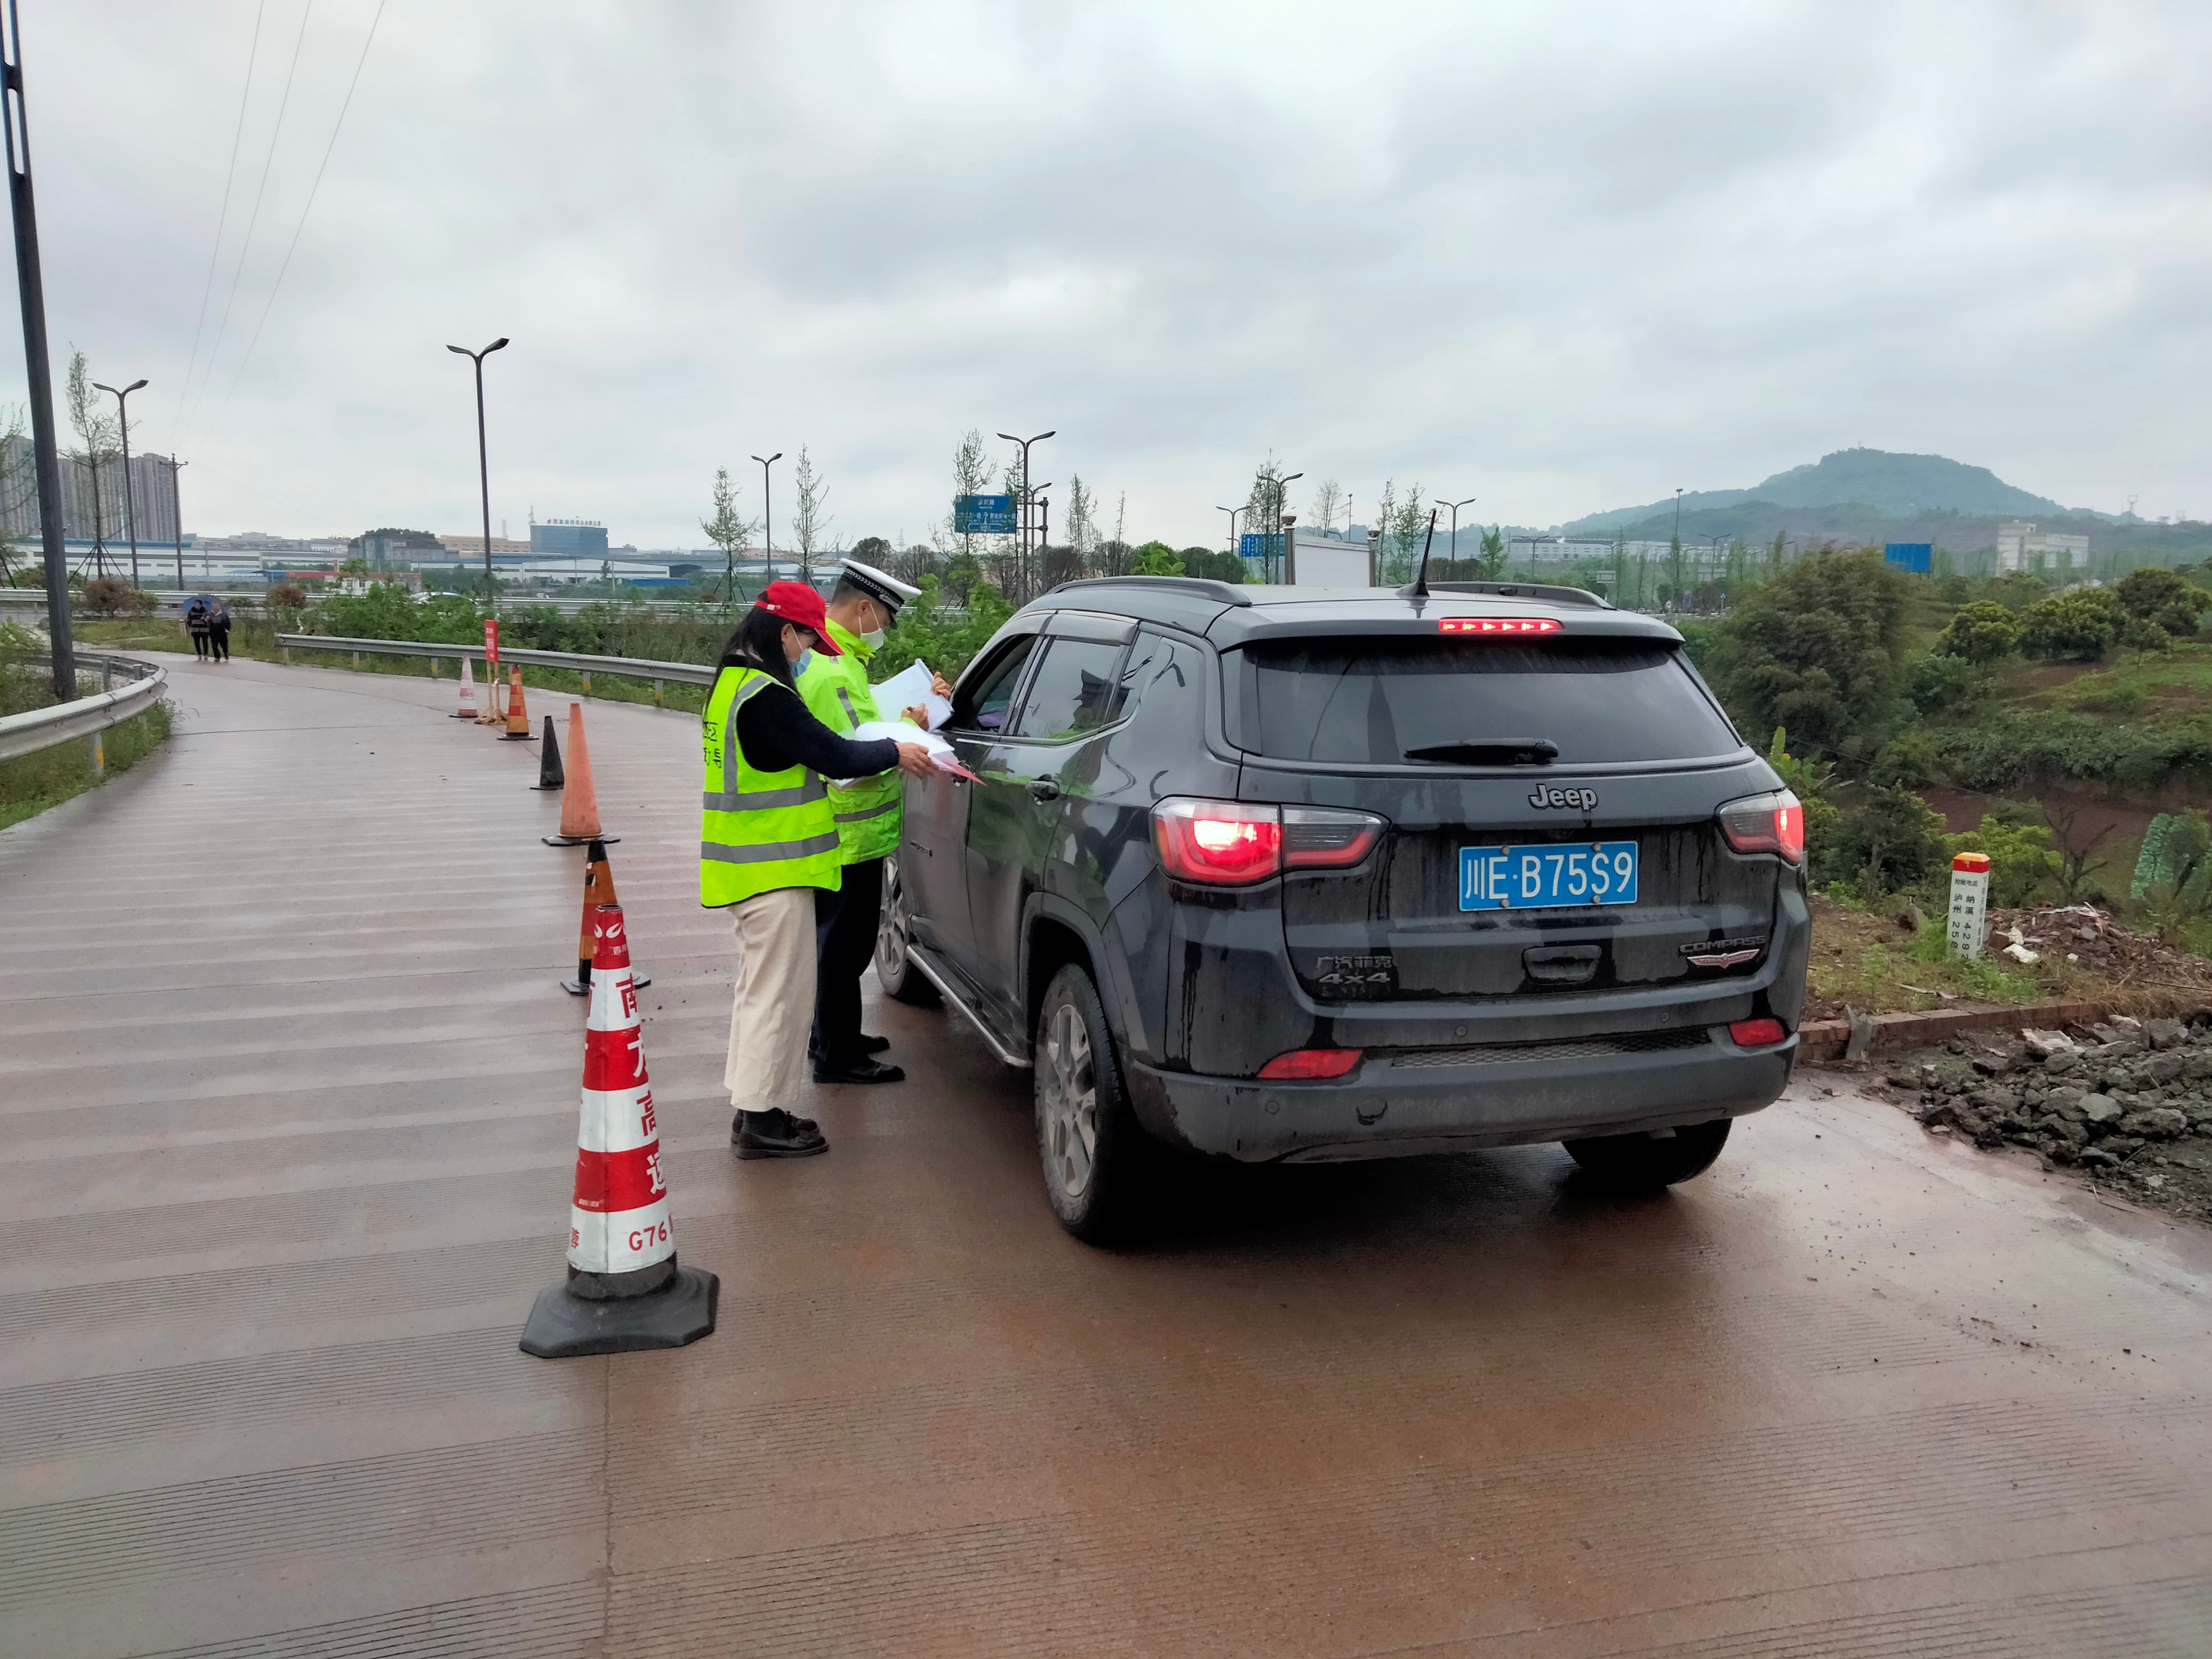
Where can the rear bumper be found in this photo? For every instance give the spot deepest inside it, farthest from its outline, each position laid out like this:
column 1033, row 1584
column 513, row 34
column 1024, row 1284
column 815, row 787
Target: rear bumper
column 1383, row 1110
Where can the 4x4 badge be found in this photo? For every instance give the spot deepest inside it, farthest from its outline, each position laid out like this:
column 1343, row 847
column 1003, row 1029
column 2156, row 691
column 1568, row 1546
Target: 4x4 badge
column 1582, row 800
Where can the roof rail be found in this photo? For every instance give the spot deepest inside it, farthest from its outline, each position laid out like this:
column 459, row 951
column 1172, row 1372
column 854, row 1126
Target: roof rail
column 1547, row 592
column 1204, row 587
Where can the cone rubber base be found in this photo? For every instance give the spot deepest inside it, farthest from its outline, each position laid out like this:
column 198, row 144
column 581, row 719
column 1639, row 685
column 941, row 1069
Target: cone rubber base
column 565, row 1327
column 519, row 737
column 582, row 987
column 577, row 841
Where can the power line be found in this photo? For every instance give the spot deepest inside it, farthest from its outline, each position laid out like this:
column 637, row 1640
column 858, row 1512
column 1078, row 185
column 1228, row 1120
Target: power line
column 270, row 303
column 222, row 219
column 254, row 218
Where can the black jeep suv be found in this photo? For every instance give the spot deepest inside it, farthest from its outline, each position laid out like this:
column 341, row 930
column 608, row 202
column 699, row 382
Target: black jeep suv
column 1302, row 873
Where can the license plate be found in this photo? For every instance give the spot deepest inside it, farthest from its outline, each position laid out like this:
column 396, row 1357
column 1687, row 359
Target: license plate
column 1545, row 877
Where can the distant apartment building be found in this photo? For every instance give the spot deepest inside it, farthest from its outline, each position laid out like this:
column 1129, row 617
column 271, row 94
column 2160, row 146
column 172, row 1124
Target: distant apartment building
column 568, row 538
column 2020, row 546
column 1524, row 552
column 149, row 504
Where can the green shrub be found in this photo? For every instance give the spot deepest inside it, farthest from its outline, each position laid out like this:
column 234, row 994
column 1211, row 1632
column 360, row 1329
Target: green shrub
column 2024, row 865
column 1884, row 839
column 1982, row 632
column 1819, row 649
column 1940, row 685
column 2164, row 599
column 2078, row 626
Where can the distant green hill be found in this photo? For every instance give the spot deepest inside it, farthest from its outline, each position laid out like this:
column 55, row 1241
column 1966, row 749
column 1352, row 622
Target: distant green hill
column 1888, row 485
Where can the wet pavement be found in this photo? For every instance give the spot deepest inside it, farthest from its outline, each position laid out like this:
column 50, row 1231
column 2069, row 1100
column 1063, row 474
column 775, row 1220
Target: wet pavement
column 290, row 1095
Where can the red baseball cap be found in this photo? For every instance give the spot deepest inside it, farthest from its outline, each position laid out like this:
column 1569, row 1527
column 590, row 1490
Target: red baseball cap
column 795, row 602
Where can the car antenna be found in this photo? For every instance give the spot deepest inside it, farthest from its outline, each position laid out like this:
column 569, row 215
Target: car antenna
column 1419, row 590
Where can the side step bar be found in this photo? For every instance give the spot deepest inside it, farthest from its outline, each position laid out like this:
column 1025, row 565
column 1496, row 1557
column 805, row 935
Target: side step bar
column 941, row 979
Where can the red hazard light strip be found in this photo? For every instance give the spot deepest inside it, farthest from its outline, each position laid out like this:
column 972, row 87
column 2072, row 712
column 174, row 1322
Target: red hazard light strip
column 1497, row 625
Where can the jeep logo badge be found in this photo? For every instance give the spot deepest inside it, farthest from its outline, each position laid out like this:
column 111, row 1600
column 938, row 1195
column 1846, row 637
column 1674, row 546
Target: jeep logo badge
column 1582, row 800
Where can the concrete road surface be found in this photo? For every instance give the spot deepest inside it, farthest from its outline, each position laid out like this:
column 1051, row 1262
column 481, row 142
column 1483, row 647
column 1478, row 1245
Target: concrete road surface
column 288, row 1105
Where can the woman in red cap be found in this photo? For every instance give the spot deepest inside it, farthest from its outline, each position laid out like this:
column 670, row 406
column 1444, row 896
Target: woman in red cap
column 767, row 841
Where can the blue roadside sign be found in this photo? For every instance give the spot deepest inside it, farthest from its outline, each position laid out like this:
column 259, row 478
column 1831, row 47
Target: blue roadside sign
column 1909, row 555
column 983, row 515
column 1261, row 547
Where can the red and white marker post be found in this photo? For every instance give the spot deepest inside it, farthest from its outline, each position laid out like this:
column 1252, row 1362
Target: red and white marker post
column 625, row 1290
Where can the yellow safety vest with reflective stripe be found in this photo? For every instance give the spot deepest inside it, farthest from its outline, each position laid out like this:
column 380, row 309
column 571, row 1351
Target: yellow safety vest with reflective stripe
column 758, row 831
column 836, row 688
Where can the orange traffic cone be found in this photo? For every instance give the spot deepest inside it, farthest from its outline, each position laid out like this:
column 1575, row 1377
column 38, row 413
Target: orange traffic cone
column 624, row 1291
column 598, row 890
column 518, row 712
column 467, row 711
column 579, row 802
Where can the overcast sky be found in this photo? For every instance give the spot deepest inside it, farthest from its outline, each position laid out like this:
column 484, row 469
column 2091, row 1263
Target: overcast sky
column 1559, row 259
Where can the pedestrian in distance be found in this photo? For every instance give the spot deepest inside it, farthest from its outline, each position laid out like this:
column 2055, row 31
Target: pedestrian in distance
column 219, row 633
column 863, row 607
column 767, row 842
column 197, row 623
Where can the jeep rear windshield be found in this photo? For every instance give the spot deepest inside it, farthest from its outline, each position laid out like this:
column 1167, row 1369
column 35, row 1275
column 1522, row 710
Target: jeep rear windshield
column 1375, row 698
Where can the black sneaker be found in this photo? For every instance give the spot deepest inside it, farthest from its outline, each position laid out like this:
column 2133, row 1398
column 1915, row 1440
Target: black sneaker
column 775, row 1134
column 863, row 1070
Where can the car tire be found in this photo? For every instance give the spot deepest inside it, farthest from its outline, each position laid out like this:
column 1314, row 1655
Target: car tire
column 1094, row 1156
column 1644, row 1163
column 894, row 969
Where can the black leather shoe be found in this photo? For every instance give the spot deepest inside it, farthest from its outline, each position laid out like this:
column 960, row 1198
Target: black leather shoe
column 860, row 1071
column 873, row 1045
column 775, row 1134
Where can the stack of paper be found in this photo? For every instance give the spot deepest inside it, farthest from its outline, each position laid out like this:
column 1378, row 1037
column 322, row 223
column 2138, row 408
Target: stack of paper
column 909, row 689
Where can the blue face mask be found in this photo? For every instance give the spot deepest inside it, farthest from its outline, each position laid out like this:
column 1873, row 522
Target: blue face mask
column 800, row 667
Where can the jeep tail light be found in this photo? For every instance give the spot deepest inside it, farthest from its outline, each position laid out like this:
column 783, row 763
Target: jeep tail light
column 1497, row 625
column 1773, row 822
column 1309, row 1064
column 1222, row 844
column 1757, row 1033
column 1328, row 837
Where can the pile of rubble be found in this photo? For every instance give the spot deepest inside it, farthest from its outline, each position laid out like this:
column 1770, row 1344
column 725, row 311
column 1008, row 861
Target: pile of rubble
column 2084, row 937
column 2099, row 1097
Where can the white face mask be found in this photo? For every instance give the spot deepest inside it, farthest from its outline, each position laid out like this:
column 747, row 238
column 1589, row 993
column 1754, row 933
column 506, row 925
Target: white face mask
column 875, row 639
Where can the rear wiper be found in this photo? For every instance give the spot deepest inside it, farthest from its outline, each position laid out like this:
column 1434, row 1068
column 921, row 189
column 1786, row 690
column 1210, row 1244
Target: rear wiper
column 1490, row 752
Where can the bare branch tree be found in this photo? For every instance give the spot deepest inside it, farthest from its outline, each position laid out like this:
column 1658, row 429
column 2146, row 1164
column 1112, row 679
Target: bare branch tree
column 728, row 530
column 2077, row 849
column 1328, row 502
column 810, row 525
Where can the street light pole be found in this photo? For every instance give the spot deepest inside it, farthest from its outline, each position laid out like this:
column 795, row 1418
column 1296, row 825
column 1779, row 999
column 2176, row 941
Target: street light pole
column 1021, row 524
column 176, row 516
column 484, row 467
column 768, row 520
column 31, row 290
column 1282, row 490
column 1456, row 507
column 130, row 496
column 1232, row 511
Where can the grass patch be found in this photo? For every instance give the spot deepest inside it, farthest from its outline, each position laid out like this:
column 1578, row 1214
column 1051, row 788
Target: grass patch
column 1872, row 962
column 556, row 682
column 29, row 786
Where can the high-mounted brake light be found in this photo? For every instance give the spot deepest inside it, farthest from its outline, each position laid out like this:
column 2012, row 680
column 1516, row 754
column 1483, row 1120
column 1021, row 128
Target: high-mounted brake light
column 1310, row 1063
column 1227, row 843
column 1498, row 625
column 1773, row 822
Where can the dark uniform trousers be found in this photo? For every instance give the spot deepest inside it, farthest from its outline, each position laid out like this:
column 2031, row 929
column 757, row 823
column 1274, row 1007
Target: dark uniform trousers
column 844, row 940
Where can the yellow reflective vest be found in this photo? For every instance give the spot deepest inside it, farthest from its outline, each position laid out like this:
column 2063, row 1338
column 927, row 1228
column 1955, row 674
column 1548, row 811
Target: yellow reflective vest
column 836, row 688
column 758, row 831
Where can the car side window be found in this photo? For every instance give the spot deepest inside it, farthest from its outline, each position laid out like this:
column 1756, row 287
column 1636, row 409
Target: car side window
column 986, row 709
column 1074, row 690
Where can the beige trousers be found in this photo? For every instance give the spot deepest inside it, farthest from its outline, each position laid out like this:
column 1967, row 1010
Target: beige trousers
column 773, row 1009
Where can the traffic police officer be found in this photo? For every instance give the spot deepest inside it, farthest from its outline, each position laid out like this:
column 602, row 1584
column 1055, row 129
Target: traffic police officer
column 768, row 843
column 863, row 607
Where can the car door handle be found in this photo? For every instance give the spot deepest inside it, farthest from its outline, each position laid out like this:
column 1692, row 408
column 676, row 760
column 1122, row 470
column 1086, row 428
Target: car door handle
column 1044, row 789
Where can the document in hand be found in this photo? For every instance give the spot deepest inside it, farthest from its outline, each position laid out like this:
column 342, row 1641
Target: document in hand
column 909, row 689
column 906, row 732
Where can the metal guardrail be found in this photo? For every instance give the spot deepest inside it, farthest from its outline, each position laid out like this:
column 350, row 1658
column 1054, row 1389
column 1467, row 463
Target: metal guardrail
column 639, row 668
column 87, row 717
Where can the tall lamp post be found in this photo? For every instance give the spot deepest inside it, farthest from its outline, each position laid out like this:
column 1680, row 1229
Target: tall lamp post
column 1232, row 511
column 768, row 520
column 1021, row 561
column 129, row 498
column 31, row 291
column 1456, row 507
column 176, row 516
column 484, row 467
column 1282, row 490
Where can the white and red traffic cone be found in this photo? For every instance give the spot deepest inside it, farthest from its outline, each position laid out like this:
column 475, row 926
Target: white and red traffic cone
column 625, row 1291
column 467, row 711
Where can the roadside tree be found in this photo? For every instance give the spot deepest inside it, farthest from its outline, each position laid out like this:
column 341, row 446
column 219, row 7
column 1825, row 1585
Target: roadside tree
column 1818, row 650
column 1984, row 631
column 2080, row 626
column 2163, row 598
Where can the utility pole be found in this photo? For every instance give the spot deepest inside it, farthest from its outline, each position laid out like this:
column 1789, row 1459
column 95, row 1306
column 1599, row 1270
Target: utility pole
column 483, row 466
column 768, row 522
column 31, row 289
column 1282, row 489
column 176, row 516
column 1456, row 507
column 129, row 498
column 1022, row 523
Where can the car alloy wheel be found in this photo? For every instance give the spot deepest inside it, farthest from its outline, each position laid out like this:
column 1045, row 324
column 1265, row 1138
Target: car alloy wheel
column 1069, row 1098
column 891, row 929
